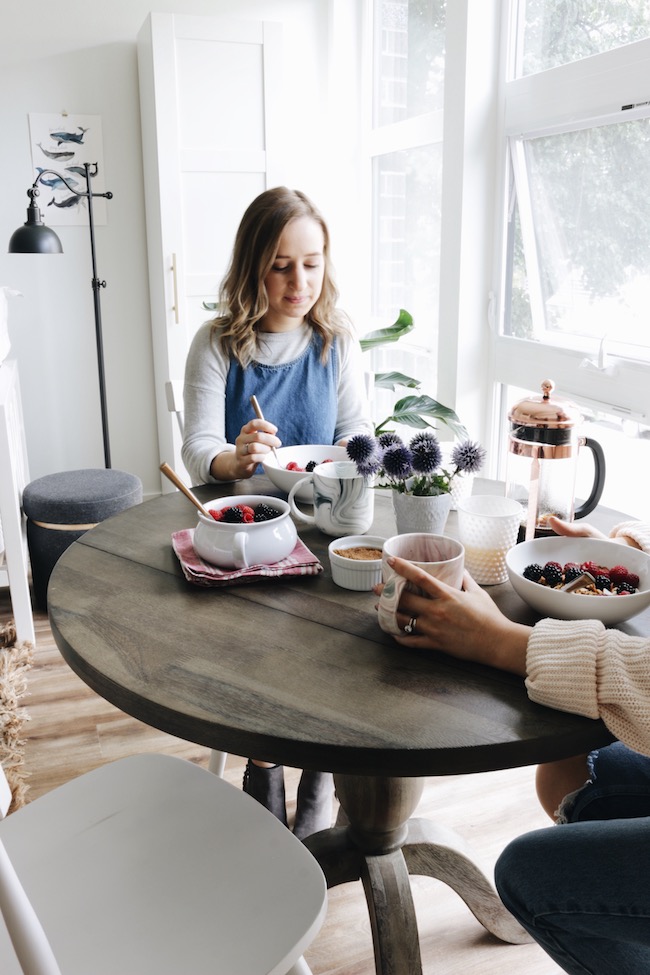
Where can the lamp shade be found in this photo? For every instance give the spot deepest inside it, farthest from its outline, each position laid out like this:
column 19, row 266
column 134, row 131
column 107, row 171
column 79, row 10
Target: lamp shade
column 34, row 237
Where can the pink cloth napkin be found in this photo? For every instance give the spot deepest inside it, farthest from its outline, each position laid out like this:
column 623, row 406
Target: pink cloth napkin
column 301, row 562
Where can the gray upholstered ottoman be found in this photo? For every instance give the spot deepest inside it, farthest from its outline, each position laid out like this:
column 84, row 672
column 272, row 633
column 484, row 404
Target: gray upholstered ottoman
column 61, row 507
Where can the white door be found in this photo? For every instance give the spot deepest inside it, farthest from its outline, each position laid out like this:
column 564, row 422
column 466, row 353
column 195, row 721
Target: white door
column 207, row 86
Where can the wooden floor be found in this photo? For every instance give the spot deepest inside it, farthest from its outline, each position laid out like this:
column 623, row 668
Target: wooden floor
column 72, row 730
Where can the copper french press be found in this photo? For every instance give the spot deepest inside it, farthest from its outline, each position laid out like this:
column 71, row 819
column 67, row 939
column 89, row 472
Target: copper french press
column 543, row 452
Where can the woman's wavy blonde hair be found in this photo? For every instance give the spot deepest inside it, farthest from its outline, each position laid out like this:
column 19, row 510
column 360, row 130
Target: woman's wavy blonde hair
column 243, row 299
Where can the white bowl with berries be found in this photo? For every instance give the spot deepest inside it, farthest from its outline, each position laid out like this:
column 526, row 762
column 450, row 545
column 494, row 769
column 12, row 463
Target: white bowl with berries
column 245, row 530
column 581, row 578
column 291, row 464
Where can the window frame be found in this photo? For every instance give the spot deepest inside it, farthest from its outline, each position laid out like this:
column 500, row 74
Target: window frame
column 579, row 95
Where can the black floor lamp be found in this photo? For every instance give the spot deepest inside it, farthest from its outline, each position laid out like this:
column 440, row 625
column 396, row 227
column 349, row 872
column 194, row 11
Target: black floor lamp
column 35, row 238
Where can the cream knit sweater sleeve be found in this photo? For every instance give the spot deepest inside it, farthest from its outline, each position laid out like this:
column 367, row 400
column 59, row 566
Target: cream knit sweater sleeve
column 582, row 667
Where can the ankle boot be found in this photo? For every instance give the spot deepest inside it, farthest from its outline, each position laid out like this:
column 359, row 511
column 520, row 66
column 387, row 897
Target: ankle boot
column 267, row 786
column 314, row 803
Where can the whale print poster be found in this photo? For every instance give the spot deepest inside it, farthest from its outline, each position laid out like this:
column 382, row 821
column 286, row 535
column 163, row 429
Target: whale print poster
column 61, row 144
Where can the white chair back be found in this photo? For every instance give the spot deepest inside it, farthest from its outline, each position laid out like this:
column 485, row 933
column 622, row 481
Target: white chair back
column 152, row 865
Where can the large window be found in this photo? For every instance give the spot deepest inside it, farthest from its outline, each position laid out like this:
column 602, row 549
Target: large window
column 408, row 58
column 576, row 284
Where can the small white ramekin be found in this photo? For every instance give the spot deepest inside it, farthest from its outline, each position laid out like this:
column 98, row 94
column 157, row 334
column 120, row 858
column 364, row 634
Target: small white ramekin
column 359, row 574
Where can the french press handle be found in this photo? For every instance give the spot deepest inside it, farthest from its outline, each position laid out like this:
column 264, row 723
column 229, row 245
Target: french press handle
column 599, row 479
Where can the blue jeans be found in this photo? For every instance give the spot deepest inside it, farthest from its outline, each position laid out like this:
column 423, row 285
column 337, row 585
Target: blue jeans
column 582, row 889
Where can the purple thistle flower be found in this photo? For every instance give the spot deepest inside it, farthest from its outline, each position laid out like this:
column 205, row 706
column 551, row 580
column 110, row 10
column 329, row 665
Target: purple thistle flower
column 388, row 439
column 427, row 454
column 361, row 448
column 370, row 467
column 468, row 457
column 398, row 462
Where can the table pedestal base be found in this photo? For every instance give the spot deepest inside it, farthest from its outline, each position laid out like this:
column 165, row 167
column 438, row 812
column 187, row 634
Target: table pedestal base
column 382, row 846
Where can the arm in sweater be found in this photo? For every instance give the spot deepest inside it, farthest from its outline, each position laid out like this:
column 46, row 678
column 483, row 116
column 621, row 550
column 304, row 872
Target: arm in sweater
column 581, row 666
column 577, row 666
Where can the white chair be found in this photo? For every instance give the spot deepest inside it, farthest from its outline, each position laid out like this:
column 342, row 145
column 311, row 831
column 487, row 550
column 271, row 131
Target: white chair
column 174, row 397
column 152, row 866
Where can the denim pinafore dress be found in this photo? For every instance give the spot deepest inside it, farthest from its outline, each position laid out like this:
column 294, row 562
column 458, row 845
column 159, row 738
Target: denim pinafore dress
column 299, row 397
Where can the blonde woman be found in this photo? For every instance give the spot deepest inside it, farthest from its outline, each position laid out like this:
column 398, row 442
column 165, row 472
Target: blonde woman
column 280, row 337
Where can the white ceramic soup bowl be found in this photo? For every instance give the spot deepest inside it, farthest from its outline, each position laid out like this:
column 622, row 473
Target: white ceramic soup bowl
column 277, row 473
column 611, row 609
column 238, row 546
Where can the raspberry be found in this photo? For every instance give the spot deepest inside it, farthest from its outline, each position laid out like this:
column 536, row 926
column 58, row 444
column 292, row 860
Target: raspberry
column 264, row 512
column 293, row 466
column 617, row 574
column 553, row 573
column 328, row 460
column 533, row 572
column 216, row 513
column 601, row 581
column 633, row 579
column 571, row 571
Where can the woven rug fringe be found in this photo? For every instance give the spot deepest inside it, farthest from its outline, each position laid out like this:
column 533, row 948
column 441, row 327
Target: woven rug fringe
column 15, row 662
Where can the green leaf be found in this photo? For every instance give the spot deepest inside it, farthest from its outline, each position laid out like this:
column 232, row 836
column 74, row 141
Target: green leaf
column 412, row 410
column 390, row 380
column 383, row 336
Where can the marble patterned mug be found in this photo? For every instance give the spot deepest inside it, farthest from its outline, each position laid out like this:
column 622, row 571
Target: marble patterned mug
column 344, row 501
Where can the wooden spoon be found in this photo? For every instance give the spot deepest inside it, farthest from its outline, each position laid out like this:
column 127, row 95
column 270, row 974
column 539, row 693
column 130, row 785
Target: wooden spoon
column 260, row 416
column 175, row 479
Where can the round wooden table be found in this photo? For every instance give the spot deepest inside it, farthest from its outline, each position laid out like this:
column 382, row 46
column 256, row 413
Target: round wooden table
column 295, row 670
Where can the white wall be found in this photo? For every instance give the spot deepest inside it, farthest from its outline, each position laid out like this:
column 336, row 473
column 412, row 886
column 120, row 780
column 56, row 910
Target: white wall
column 81, row 58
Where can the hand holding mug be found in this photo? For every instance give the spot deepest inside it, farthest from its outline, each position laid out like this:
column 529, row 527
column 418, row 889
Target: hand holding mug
column 448, row 619
column 437, row 555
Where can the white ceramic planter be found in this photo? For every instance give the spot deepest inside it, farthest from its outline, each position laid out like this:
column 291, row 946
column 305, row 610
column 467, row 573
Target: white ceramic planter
column 414, row 514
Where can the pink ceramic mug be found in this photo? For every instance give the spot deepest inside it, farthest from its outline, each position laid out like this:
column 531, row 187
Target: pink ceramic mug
column 440, row 556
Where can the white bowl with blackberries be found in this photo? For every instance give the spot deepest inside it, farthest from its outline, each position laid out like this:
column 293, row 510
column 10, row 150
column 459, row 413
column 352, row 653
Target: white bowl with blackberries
column 245, row 530
column 581, row 578
column 290, row 464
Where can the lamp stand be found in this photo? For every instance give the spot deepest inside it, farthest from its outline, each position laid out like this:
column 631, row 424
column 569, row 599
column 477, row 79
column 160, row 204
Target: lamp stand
column 96, row 285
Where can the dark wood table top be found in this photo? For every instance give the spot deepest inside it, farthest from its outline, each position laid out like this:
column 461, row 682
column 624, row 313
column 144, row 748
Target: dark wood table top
column 292, row 670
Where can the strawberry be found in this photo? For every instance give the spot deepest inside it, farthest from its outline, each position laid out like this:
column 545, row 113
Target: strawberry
column 594, row 569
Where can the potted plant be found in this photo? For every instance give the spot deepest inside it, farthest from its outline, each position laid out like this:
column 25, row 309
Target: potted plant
column 421, row 486
column 414, row 411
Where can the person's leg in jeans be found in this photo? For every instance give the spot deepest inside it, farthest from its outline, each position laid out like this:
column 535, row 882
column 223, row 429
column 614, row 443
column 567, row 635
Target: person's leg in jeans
column 582, row 889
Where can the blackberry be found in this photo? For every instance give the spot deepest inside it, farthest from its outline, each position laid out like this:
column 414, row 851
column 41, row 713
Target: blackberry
column 625, row 587
column 602, row 581
column 533, row 572
column 233, row 515
column 552, row 573
column 264, row 512
column 571, row 572
column 310, row 466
